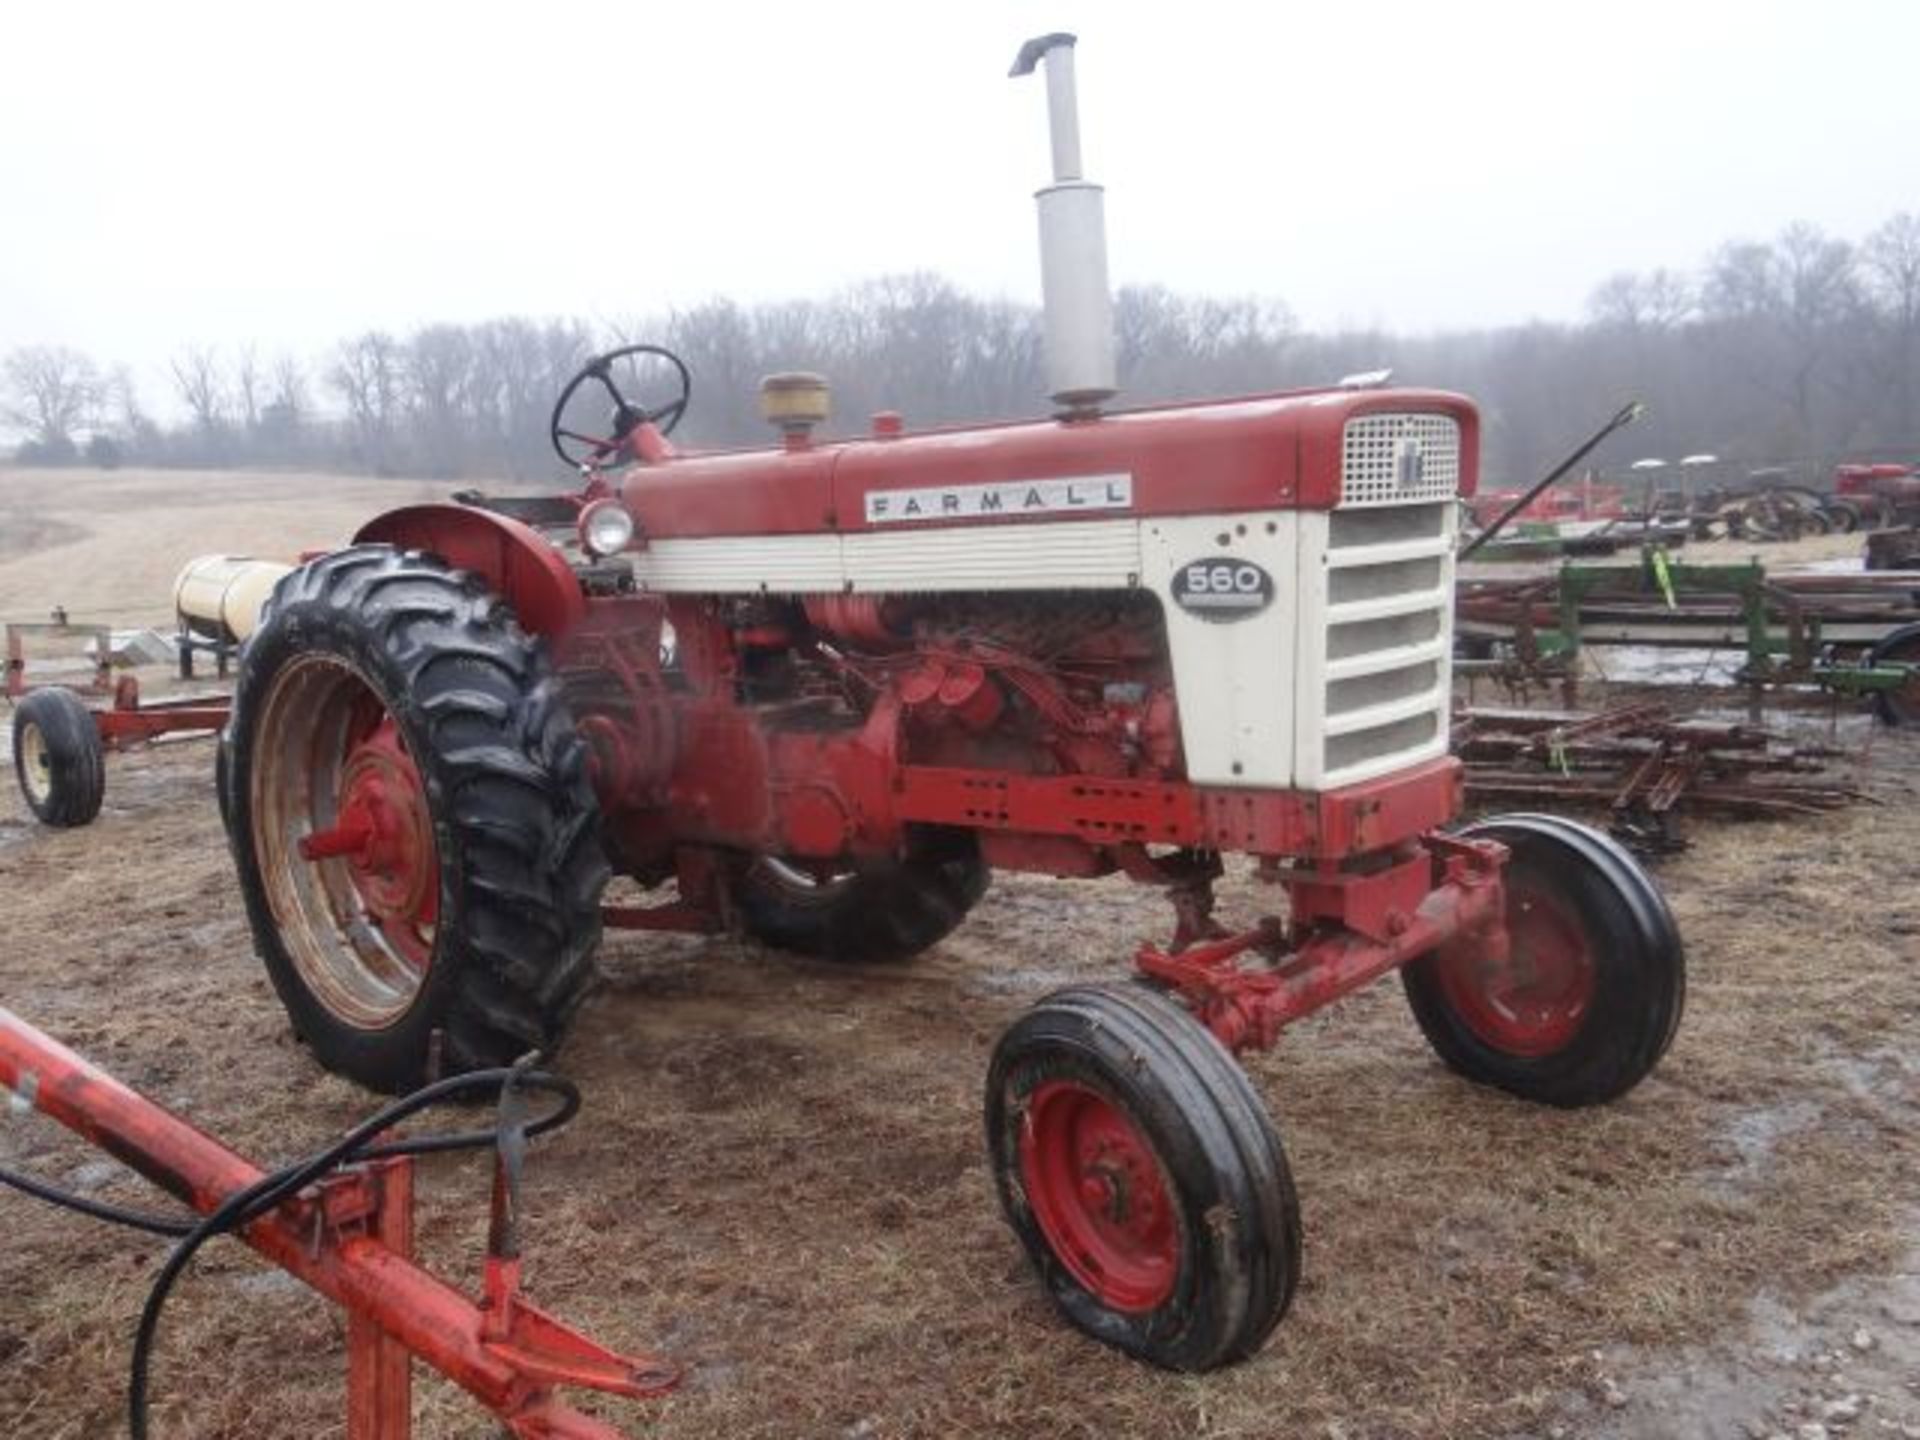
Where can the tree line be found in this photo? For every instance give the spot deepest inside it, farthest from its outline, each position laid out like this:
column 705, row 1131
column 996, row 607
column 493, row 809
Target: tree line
column 1803, row 350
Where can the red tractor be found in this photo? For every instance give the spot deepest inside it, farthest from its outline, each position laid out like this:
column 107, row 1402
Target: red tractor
column 823, row 691
column 1884, row 494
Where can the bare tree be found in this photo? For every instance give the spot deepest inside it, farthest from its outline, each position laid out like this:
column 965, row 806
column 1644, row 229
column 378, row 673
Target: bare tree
column 440, row 364
column 249, row 387
column 367, row 375
column 196, row 378
column 51, row 391
column 288, row 391
column 1890, row 257
column 1658, row 301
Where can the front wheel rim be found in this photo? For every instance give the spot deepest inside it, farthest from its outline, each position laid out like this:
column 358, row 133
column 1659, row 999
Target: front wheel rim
column 1099, row 1196
column 1535, row 1002
column 343, row 834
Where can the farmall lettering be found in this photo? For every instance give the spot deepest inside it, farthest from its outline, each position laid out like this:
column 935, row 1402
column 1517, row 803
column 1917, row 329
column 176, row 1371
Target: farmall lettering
column 1014, row 497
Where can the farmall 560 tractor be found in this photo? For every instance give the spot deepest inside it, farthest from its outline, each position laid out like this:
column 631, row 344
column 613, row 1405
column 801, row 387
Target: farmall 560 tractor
column 825, row 690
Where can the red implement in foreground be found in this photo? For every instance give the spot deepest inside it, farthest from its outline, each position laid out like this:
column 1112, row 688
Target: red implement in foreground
column 350, row 1237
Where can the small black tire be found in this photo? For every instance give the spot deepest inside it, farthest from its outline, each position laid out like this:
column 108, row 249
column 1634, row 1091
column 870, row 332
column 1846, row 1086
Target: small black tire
column 58, row 759
column 1193, row 1255
column 1604, row 972
column 499, row 783
column 1901, row 706
column 876, row 912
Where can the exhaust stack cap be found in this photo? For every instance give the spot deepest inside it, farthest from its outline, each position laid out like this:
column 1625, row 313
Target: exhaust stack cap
column 1073, row 244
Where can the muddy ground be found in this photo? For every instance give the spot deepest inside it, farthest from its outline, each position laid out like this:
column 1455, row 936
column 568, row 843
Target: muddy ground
column 779, row 1177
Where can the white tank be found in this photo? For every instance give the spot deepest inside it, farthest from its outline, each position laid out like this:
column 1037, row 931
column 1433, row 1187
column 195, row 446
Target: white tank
column 219, row 596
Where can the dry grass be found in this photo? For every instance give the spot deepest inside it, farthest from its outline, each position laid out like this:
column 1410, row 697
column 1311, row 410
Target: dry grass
column 107, row 544
column 779, row 1177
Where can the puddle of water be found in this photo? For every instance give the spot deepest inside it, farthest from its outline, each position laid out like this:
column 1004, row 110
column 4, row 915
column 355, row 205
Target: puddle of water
column 1840, row 1364
column 1754, row 1133
column 1840, row 565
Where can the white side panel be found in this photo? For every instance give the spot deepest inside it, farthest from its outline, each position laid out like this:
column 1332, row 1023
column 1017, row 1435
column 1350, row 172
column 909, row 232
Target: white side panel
column 1067, row 555
column 1234, row 679
column 1064, row 555
column 742, row 565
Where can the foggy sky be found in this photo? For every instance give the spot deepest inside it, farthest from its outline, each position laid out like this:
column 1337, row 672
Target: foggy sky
column 286, row 174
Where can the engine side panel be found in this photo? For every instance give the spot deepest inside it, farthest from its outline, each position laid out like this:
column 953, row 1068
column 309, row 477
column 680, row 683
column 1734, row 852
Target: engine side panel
column 1234, row 677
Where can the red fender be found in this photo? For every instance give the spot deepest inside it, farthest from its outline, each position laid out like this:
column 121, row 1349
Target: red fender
column 513, row 558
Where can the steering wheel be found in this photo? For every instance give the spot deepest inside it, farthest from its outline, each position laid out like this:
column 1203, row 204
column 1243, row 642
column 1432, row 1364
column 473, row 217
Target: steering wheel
column 587, row 451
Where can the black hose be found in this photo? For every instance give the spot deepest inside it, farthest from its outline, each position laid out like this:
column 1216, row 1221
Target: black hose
column 133, row 1219
column 263, row 1195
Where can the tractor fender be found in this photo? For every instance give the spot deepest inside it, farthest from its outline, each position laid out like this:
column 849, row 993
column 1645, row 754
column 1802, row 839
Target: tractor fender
column 515, row 560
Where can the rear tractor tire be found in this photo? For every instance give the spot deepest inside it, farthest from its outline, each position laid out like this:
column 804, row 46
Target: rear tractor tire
column 410, row 813
column 876, row 913
column 1143, row 1176
column 58, row 758
column 1591, row 994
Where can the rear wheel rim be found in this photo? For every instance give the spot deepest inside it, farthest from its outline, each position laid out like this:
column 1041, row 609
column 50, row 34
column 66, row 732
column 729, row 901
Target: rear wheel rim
column 1536, row 1001
column 802, row 883
column 344, row 837
column 1099, row 1196
column 36, row 766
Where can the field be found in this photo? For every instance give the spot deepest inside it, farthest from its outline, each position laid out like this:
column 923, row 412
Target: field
column 779, row 1177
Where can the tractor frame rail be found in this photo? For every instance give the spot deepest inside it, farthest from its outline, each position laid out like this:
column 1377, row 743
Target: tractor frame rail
column 349, row 1236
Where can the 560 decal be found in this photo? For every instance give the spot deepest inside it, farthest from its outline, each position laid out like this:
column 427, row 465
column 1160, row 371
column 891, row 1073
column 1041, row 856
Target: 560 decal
column 1222, row 589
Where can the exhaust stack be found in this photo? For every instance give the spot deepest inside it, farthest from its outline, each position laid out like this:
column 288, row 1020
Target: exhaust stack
column 1073, row 245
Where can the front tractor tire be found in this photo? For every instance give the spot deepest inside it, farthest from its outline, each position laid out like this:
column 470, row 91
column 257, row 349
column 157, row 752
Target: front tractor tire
column 410, row 813
column 879, row 912
column 1143, row 1176
column 1591, row 994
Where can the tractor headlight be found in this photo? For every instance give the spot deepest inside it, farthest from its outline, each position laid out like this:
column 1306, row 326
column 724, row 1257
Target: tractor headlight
column 605, row 528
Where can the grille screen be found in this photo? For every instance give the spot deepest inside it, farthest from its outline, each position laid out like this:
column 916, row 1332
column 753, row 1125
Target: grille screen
column 1394, row 459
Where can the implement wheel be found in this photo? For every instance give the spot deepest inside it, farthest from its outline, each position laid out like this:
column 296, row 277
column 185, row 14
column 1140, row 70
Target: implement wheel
column 57, row 758
column 1141, row 1173
column 1591, row 993
column 409, row 809
column 876, row 913
column 1900, row 706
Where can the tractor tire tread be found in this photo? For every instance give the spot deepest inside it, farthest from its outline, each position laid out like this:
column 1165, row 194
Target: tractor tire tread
column 517, row 822
column 1216, row 1143
column 1642, row 987
column 881, row 914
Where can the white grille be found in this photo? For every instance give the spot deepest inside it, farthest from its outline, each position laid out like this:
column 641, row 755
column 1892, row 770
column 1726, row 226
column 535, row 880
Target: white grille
column 1396, row 459
column 1377, row 655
